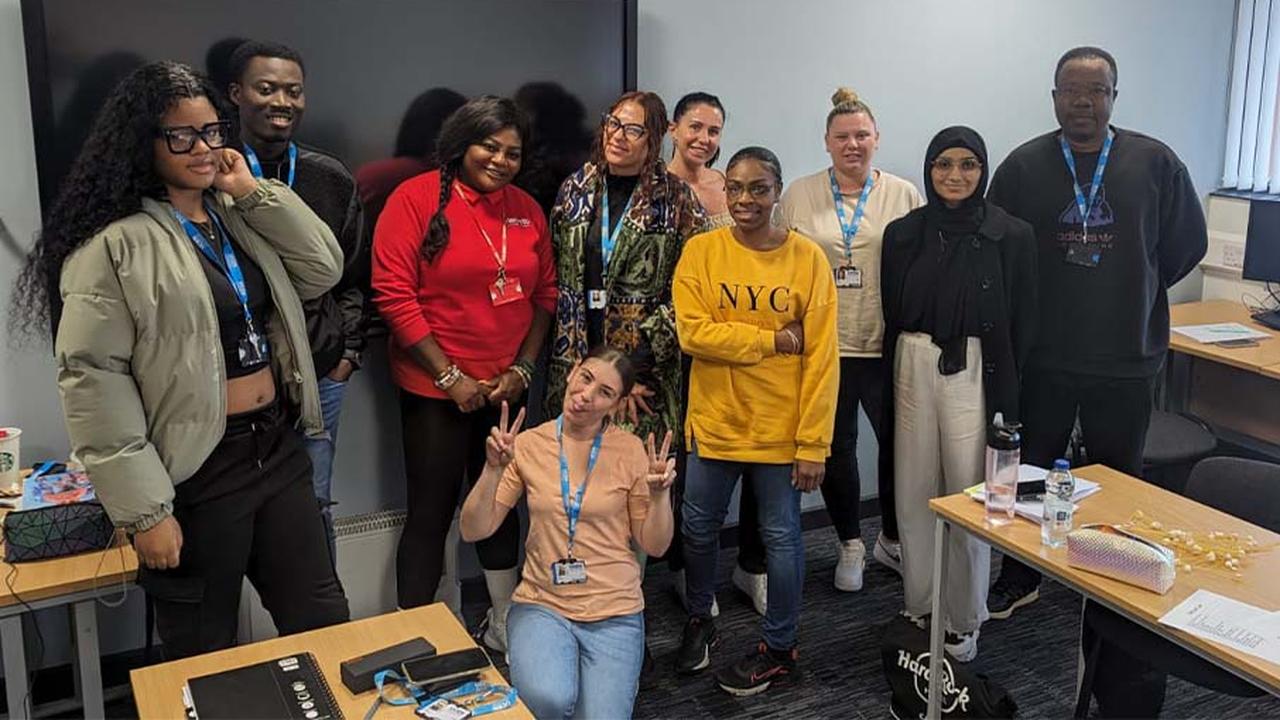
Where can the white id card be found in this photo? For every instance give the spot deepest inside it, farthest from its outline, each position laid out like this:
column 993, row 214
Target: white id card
column 568, row 572
column 597, row 299
column 442, row 709
column 848, row 276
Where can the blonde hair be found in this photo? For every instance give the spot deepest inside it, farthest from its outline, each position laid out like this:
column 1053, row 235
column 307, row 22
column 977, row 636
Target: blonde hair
column 845, row 101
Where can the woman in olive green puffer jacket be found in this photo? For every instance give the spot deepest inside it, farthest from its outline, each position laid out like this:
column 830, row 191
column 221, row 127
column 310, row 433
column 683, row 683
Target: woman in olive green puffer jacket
column 175, row 282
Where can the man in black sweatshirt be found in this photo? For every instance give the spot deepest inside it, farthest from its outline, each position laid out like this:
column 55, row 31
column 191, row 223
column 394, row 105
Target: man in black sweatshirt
column 266, row 86
column 1118, row 222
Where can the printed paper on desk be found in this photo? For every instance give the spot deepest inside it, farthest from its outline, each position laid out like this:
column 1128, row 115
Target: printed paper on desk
column 1228, row 622
column 1220, row 332
column 1033, row 510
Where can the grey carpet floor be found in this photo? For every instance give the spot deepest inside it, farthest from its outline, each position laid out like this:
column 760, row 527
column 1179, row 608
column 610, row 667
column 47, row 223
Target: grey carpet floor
column 1032, row 654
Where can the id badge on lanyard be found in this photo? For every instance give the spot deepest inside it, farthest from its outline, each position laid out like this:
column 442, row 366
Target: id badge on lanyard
column 1081, row 253
column 504, row 289
column 252, row 348
column 570, row 570
column 847, row 275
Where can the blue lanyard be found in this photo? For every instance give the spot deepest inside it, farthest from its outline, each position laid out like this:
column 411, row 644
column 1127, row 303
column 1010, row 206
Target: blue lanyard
column 477, row 691
column 848, row 230
column 42, row 470
column 228, row 264
column 1086, row 208
column 255, row 167
column 573, row 506
column 415, row 692
column 609, row 240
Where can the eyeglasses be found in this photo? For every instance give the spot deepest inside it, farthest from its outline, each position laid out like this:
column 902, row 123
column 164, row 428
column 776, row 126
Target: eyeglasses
column 967, row 166
column 1092, row 92
column 182, row 139
column 633, row 131
column 755, row 190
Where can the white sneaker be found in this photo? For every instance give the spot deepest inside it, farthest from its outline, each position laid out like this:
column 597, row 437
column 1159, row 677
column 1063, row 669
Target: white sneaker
column 963, row 646
column 495, row 631
column 682, row 592
column 888, row 553
column 754, row 586
column 853, row 555
column 920, row 621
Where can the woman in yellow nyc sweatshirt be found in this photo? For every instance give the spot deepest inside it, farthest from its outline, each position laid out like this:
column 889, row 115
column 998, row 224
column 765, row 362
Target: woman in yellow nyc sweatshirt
column 756, row 308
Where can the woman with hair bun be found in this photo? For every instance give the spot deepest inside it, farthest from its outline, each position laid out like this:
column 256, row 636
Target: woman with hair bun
column 845, row 208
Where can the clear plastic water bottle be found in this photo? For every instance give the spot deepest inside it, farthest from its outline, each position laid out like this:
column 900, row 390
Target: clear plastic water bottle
column 1004, row 453
column 1059, row 486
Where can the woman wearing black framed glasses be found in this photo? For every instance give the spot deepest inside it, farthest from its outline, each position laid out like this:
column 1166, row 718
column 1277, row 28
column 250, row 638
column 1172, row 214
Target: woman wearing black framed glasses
column 617, row 227
column 173, row 280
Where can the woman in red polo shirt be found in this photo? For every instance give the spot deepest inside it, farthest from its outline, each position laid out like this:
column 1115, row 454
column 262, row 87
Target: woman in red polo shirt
column 463, row 274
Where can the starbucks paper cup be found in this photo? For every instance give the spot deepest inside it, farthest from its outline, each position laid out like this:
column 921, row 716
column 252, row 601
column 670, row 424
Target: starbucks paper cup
column 10, row 464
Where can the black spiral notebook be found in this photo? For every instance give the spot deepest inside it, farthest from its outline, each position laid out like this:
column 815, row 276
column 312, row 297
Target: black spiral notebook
column 287, row 687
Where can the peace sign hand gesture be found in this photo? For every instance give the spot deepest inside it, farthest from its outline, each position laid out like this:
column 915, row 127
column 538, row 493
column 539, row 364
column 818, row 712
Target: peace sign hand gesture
column 662, row 469
column 500, row 447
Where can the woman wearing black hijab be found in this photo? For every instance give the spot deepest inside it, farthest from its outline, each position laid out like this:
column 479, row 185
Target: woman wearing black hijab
column 958, row 280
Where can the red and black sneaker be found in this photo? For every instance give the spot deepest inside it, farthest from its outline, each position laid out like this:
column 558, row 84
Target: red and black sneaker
column 758, row 670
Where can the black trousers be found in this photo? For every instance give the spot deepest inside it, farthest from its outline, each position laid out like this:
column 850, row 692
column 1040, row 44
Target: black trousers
column 1114, row 414
column 442, row 447
column 249, row 511
column 1130, row 666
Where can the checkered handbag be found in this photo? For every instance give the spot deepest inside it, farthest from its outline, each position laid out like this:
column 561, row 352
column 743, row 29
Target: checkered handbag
column 56, row 530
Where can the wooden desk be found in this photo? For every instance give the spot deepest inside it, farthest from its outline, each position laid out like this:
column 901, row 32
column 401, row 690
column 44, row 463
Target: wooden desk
column 76, row 581
column 1253, row 359
column 1119, row 497
column 1235, row 390
column 157, row 690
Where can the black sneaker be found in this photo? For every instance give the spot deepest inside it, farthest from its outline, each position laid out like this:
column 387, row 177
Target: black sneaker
column 757, row 671
column 1005, row 597
column 695, row 646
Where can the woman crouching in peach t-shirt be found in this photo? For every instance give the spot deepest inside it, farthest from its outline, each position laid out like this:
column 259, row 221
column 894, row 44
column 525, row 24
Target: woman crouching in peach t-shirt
column 577, row 616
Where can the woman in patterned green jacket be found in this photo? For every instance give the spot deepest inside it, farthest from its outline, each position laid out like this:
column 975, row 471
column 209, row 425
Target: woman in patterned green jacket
column 617, row 227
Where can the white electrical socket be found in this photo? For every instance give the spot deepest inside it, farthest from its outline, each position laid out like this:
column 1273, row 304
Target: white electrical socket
column 1233, row 254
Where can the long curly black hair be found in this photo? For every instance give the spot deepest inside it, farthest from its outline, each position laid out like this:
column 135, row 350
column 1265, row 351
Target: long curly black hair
column 113, row 172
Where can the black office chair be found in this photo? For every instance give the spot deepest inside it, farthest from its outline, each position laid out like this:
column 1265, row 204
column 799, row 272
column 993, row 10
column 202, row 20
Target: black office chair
column 1175, row 443
column 1247, row 489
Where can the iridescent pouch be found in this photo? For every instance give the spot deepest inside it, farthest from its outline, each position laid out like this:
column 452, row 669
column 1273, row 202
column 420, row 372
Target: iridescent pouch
column 1120, row 555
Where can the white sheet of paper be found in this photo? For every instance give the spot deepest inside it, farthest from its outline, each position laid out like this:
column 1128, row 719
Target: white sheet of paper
column 1228, row 622
column 1220, row 332
column 1033, row 510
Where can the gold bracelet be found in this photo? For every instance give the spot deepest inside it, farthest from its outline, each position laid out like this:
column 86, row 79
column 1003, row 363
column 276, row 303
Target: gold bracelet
column 795, row 340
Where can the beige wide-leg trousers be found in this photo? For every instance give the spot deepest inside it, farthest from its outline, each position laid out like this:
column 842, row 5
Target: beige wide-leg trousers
column 939, row 449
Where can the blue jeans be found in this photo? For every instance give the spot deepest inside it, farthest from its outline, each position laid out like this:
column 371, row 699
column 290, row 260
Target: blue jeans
column 708, row 488
column 321, row 452
column 565, row 669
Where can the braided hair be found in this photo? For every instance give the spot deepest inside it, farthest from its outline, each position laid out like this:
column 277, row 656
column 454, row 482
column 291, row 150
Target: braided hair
column 468, row 125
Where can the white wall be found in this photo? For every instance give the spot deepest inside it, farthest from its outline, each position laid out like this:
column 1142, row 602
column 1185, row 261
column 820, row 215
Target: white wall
column 925, row 64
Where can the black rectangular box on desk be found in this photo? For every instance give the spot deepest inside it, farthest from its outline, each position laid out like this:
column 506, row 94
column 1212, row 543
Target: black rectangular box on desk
column 358, row 672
